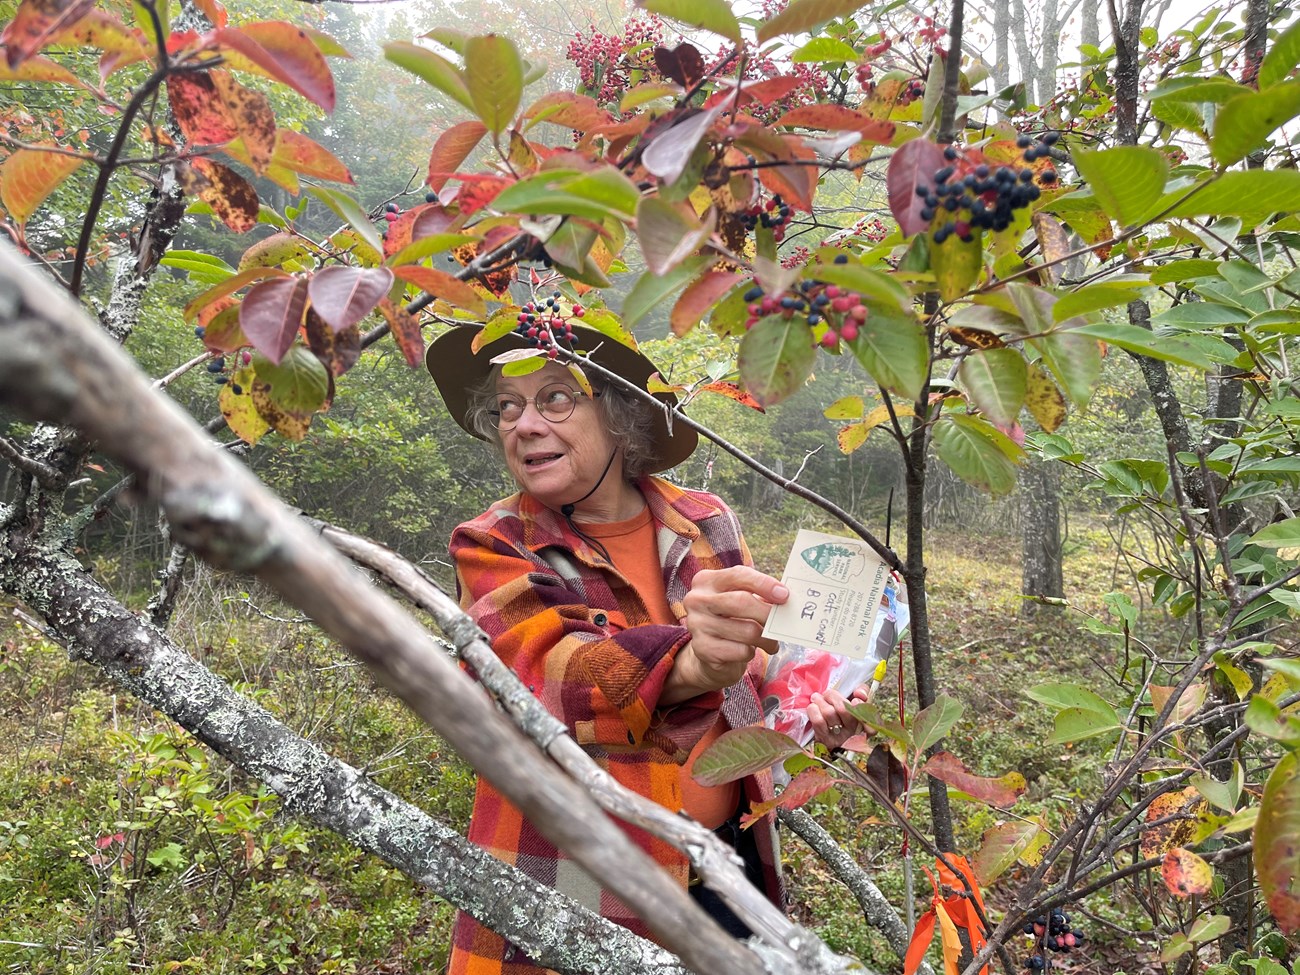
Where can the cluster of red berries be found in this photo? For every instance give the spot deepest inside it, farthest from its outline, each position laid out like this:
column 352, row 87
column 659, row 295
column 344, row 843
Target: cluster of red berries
column 987, row 196
column 796, row 258
column 1052, row 932
column 840, row 310
column 543, row 325
column 606, row 63
column 774, row 214
column 872, row 229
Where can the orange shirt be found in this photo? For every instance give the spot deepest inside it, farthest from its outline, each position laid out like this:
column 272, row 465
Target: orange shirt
column 632, row 548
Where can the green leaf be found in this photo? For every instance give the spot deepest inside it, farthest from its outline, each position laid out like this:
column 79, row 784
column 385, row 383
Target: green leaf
column 775, row 358
column 168, row 855
column 1243, row 124
column 957, row 264
column 347, row 209
column 593, row 196
column 1225, row 795
column 1179, row 115
column 741, row 752
column 1126, row 180
column 651, row 289
column 1201, row 315
column 1184, row 271
column 803, row 15
column 869, row 283
column 1283, row 55
column 1074, row 360
column 1266, row 718
column 1209, row 927
column 1251, row 194
column 1197, row 351
column 1060, row 694
column 996, row 381
column 431, row 68
column 495, row 78
column 824, row 50
column 1075, row 724
column 977, row 452
column 1215, row 90
column 1280, row 534
column 667, row 235
column 1288, row 666
column 289, row 393
column 893, row 350
column 1277, row 840
column 931, row 724
column 1092, row 298
column 1003, row 845
column 711, row 15
column 870, row 716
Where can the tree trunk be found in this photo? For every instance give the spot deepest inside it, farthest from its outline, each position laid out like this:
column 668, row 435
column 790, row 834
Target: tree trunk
column 1040, row 527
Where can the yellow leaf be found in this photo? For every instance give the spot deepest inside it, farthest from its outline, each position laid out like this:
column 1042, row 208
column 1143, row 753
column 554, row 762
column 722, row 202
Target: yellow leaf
column 951, row 940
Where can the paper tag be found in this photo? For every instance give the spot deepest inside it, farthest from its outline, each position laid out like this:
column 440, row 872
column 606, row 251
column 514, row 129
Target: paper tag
column 835, row 588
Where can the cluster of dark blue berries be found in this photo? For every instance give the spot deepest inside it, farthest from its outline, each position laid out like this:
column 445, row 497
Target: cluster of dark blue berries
column 543, row 324
column 774, row 214
column 1052, row 932
column 217, row 366
column 980, row 195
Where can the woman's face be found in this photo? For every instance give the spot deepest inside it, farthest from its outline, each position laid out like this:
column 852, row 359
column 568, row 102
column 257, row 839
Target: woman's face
column 558, row 463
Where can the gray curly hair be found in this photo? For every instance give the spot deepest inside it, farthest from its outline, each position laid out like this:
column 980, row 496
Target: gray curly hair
column 628, row 419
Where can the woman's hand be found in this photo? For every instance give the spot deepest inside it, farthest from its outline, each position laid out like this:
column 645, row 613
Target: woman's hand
column 829, row 717
column 725, row 612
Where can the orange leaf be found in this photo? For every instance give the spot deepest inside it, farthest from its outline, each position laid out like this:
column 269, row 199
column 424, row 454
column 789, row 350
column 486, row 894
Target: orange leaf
column 701, row 295
column 451, row 149
column 736, row 392
column 837, row 118
column 406, row 331
column 253, row 119
column 1185, row 873
column 36, row 22
column 199, row 110
column 476, row 192
column 283, row 52
column 29, row 176
column 231, row 197
column 213, row 10
column 1181, row 810
column 571, row 110
column 295, row 151
column 922, row 935
column 440, row 284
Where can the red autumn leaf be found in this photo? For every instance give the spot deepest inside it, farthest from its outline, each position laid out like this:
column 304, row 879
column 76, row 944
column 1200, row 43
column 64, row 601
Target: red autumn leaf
column 440, row 284
column 571, row 110
column 887, row 772
column 413, row 224
column 912, row 165
column 682, row 63
column 1186, row 874
column 803, row 788
column 701, row 295
column 796, row 183
column 250, row 112
column 451, row 149
column 734, row 391
column 406, row 331
column 36, row 22
column 1003, row 792
column 283, row 52
column 271, row 315
column 337, row 351
column 476, row 192
column 229, row 286
column 231, row 197
column 764, row 92
column 342, row 296
column 837, row 118
column 29, row 176
column 199, row 110
column 295, row 151
column 104, row 842
column 922, row 935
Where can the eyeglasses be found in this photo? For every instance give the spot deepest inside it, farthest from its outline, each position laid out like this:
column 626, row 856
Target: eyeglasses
column 555, row 403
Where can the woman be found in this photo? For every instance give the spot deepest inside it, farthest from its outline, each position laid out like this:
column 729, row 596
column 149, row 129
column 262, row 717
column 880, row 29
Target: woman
column 627, row 605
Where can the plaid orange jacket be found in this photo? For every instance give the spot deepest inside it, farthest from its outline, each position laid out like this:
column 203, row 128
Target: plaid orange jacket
column 580, row 638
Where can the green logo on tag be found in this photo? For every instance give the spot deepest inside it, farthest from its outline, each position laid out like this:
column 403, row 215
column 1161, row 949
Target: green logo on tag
column 838, row 562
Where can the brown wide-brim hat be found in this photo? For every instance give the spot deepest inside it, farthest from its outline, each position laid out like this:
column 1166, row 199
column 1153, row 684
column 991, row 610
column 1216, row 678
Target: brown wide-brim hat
column 456, row 369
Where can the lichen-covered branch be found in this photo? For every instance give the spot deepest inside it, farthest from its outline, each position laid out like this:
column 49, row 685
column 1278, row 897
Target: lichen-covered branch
column 137, row 656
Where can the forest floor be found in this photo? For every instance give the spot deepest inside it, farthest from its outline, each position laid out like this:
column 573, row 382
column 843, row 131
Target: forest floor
column 124, row 848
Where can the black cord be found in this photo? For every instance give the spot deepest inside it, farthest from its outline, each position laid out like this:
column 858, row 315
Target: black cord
column 568, row 509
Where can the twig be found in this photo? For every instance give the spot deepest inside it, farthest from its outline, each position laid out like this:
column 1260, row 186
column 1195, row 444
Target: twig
column 46, row 476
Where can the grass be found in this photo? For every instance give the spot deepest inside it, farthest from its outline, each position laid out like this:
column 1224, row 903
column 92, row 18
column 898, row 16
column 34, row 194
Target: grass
column 209, row 874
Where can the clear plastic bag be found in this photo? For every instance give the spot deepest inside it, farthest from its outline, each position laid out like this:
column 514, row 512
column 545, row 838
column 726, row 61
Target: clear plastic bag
column 795, row 673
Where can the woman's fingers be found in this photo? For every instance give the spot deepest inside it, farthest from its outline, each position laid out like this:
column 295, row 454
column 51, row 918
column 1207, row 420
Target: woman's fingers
column 829, row 717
